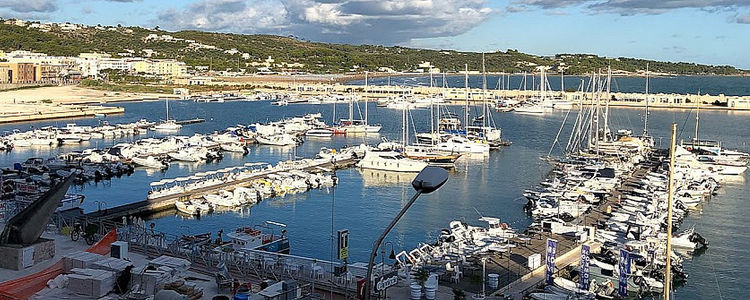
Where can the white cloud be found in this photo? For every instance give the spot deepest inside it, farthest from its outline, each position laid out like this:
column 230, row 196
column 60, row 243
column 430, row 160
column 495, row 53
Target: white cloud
column 351, row 21
column 29, row 6
column 631, row 7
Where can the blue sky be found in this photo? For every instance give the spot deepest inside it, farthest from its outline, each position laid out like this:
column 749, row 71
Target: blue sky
column 702, row 31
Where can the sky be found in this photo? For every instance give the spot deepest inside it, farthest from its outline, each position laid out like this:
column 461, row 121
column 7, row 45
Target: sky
column 701, row 31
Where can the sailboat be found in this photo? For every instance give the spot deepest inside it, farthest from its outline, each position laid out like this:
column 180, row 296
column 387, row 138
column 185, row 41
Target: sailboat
column 486, row 131
column 168, row 125
column 428, row 153
column 359, row 126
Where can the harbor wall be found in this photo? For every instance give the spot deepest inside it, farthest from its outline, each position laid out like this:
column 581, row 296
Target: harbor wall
column 60, row 112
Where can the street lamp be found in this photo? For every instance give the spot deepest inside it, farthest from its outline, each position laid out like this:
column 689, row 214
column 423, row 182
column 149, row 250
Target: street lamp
column 429, row 180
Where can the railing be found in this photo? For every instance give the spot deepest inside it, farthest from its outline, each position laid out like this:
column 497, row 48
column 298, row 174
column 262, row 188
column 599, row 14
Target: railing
column 246, row 264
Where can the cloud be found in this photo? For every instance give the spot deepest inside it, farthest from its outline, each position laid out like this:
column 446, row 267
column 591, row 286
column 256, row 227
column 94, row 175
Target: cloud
column 743, row 19
column 349, row 21
column 29, row 6
column 26, row 8
column 634, row 7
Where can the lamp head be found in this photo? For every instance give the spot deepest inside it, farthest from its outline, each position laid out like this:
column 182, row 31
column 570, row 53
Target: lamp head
column 429, row 180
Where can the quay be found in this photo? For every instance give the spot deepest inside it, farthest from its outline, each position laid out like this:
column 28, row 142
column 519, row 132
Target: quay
column 191, row 121
column 459, row 95
column 155, row 205
column 38, row 112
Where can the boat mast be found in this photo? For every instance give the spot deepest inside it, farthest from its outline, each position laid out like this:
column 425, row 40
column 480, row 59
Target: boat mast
column 166, row 101
column 432, row 108
column 562, row 80
column 645, row 118
column 606, row 108
column 466, row 104
column 668, row 270
column 484, row 97
column 697, row 112
column 365, row 96
column 598, row 106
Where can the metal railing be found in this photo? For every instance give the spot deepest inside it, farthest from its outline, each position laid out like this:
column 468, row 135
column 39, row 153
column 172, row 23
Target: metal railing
column 246, row 264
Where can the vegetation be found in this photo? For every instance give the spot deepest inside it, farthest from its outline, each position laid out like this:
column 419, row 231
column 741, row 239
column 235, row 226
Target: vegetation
column 316, row 57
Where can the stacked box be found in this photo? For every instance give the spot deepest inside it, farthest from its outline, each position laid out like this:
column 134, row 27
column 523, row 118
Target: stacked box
column 179, row 265
column 149, row 281
column 91, row 282
column 112, row 264
column 80, row 260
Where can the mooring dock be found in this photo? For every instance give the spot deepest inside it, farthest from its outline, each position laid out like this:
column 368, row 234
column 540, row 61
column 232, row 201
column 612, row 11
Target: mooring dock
column 167, row 202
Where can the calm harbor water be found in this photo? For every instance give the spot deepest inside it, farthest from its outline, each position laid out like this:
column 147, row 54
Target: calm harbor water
column 714, row 85
column 365, row 201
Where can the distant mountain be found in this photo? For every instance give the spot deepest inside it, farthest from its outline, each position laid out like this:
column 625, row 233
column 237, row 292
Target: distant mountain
column 222, row 51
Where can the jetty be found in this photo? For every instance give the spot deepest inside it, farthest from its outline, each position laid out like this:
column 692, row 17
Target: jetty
column 154, row 205
column 37, row 112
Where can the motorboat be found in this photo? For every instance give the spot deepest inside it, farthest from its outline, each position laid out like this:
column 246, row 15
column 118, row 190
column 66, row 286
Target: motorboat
column 529, row 110
column 260, row 238
column 320, row 132
column 149, row 162
column 233, row 147
column 390, row 161
column 277, row 140
column 459, row 144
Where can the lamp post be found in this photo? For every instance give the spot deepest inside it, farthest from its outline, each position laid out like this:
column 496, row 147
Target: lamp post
column 382, row 260
column 429, row 180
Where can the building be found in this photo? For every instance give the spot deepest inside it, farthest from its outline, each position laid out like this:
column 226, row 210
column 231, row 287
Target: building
column 161, row 67
column 17, row 72
column 4, row 73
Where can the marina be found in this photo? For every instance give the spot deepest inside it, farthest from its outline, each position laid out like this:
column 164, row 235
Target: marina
column 496, row 264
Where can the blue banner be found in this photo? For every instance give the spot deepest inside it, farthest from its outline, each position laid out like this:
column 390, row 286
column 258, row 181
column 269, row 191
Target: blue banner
column 583, row 277
column 551, row 252
column 624, row 272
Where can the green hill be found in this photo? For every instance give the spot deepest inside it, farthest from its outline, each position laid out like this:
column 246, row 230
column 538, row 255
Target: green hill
column 317, row 57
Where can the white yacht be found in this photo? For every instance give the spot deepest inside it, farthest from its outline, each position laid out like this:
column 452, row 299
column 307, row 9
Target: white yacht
column 149, row 162
column 390, row 161
column 321, row 132
column 277, row 140
column 168, row 125
column 461, row 144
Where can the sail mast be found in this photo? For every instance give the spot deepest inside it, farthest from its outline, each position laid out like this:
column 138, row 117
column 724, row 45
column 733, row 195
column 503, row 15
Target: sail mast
column 484, row 96
column 645, row 118
column 466, row 104
column 697, row 112
column 606, row 109
column 432, row 108
column 166, row 101
column 365, row 96
column 668, row 270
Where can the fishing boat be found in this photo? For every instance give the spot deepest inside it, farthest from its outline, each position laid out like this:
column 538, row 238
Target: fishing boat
column 194, row 241
column 260, row 237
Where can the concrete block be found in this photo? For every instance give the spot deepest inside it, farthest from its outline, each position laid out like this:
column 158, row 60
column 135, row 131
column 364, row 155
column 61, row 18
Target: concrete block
column 91, row 282
column 80, row 260
column 178, row 264
column 112, row 264
column 13, row 257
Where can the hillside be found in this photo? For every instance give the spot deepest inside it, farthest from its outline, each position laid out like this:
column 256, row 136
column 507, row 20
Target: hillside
column 209, row 49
